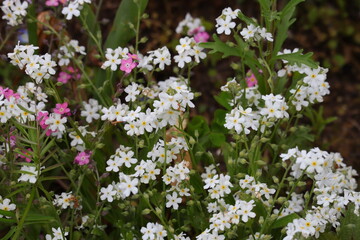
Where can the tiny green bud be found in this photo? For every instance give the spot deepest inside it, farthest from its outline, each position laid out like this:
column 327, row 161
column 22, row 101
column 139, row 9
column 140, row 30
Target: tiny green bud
column 281, row 200
column 158, row 211
column 261, row 163
column 264, row 140
column 196, row 133
column 275, row 179
column 141, row 143
column 240, row 175
column 261, row 220
column 190, row 203
column 258, row 172
column 197, row 94
column 292, row 129
column 192, row 141
column 146, row 211
column 278, row 165
column 243, row 161
column 243, row 153
column 230, row 161
column 99, row 145
column 146, row 196
column 301, row 184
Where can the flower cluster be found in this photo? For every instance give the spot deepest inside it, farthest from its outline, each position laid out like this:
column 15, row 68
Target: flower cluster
column 14, row 11
column 67, row 52
column 37, row 67
column 255, row 189
column 193, row 27
column 333, row 188
column 224, row 23
column 187, row 49
column 173, row 97
column 66, row 200
column 256, row 33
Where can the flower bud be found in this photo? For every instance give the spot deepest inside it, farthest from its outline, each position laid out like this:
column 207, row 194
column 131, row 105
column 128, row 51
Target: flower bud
column 281, row 200
column 275, row 179
column 146, row 211
column 192, row 141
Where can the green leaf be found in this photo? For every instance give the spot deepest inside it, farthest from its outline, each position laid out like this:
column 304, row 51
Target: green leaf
column 32, row 25
column 285, row 23
column 349, row 225
column 282, row 222
column 221, row 47
column 223, row 99
column 266, row 11
column 38, row 218
column 217, row 139
column 297, row 58
column 199, row 124
column 7, row 213
column 328, row 236
column 126, row 15
column 52, row 167
column 90, row 20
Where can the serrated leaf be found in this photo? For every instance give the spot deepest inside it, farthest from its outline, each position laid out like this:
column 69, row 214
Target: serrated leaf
column 221, row 47
column 298, row 58
column 349, row 227
column 286, row 21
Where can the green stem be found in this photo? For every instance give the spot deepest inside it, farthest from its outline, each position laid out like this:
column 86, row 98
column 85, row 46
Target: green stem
column 26, row 212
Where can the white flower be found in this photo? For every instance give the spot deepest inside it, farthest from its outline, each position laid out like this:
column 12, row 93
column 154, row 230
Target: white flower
column 108, row 193
column 249, row 32
column 29, row 174
column 56, row 122
column 173, row 201
column 71, row 10
column 224, row 25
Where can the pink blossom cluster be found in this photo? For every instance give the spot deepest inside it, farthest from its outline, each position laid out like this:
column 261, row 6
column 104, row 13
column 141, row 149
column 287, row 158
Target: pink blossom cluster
column 8, row 93
column 55, row 3
column 68, row 74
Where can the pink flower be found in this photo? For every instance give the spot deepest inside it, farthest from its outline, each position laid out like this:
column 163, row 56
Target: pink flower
column 251, row 79
column 127, row 65
column 41, row 118
column 64, row 77
column 62, row 108
column 82, row 158
column 3, row 90
column 52, row 3
column 26, row 155
column 12, row 141
column 74, row 72
column 201, row 37
column 133, row 56
column 8, row 93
